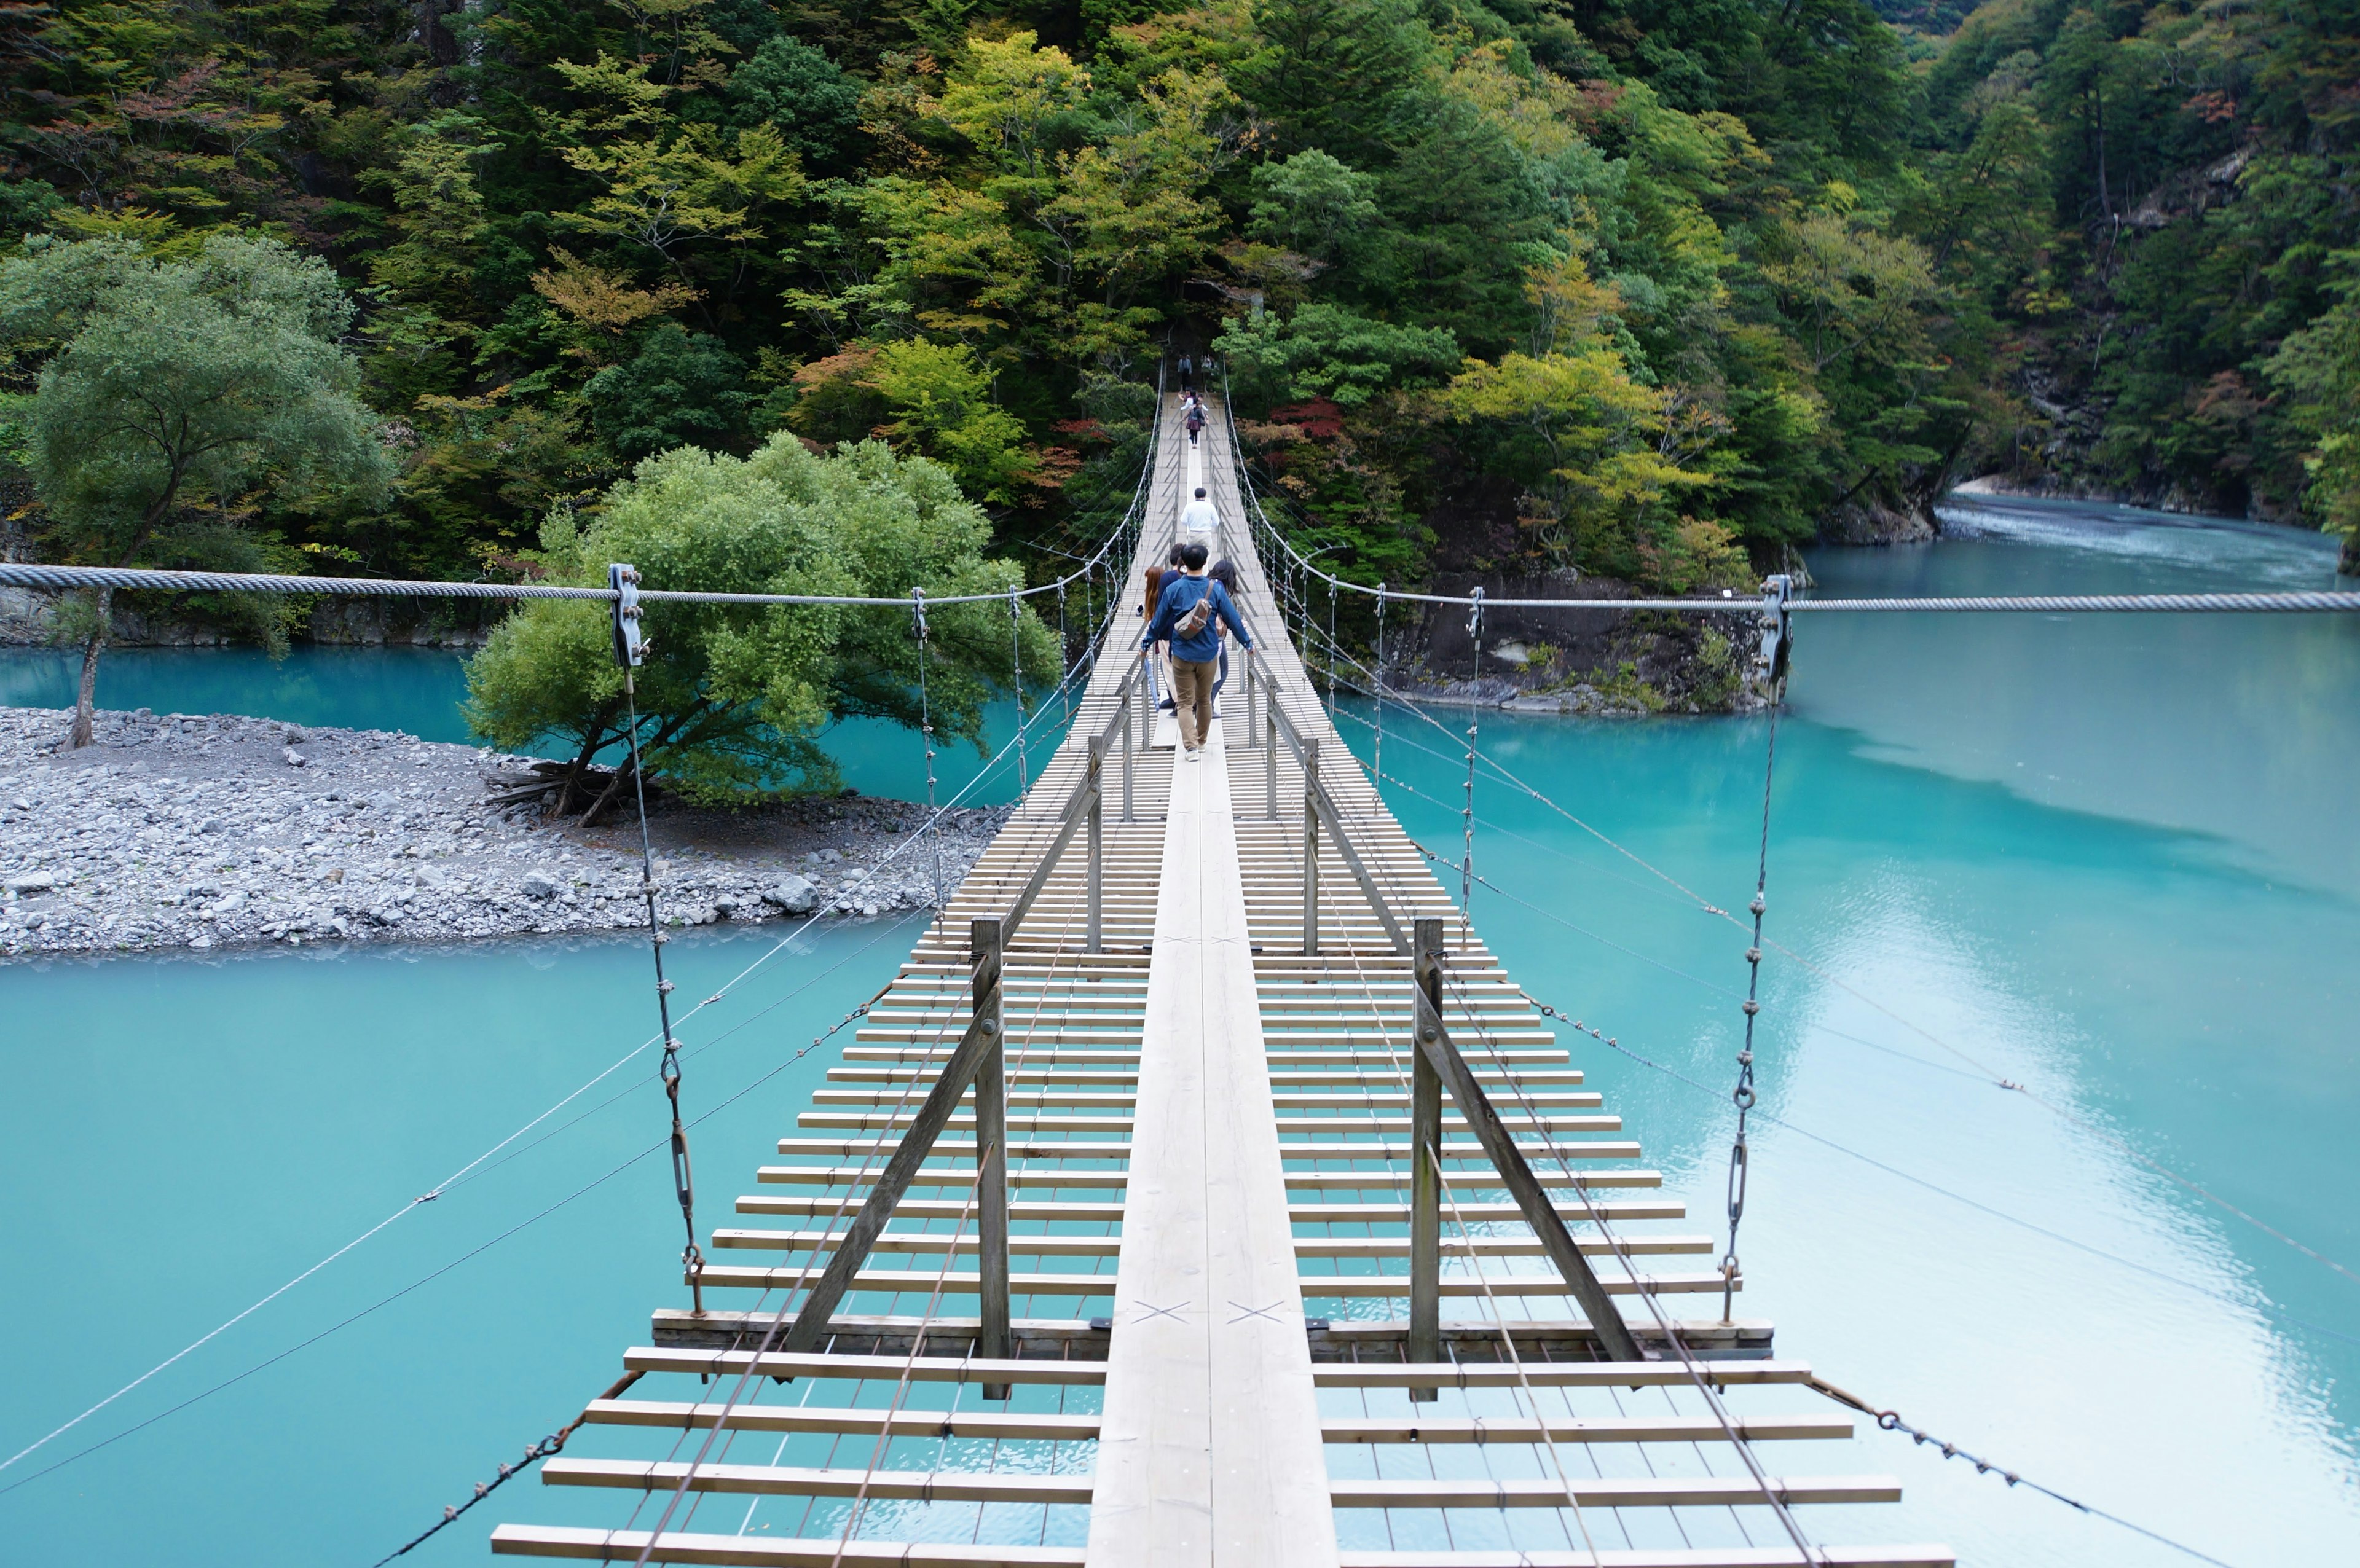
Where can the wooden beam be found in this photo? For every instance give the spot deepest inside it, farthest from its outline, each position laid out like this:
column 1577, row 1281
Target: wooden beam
column 991, row 1144
column 980, row 1042
column 1434, row 1041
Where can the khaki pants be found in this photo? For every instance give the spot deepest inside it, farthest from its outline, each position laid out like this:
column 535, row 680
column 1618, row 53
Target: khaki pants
column 1192, row 699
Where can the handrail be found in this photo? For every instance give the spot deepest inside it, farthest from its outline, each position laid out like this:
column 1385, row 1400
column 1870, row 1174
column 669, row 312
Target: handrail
column 1323, row 802
column 1080, row 806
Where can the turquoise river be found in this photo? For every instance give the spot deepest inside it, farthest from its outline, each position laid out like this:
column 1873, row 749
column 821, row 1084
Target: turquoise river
column 2114, row 860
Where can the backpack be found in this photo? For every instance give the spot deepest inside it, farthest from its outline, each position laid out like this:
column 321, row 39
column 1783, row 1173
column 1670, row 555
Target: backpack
column 1192, row 620
column 1195, row 420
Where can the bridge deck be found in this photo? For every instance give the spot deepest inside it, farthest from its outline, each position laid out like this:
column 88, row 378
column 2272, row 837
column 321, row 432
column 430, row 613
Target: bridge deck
column 1208, row 1138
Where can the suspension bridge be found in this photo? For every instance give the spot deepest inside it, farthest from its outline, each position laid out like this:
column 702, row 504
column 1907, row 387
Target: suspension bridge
column 1203, row 1191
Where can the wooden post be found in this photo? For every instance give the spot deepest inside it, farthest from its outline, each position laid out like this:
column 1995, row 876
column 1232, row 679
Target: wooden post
column 1270, row 752
column 1253, row 736
column 991, row 1151
column 1310, row 844
column 1095, row 931
column 1425, row 1170
column 1434, row 1044
column 1123, row 721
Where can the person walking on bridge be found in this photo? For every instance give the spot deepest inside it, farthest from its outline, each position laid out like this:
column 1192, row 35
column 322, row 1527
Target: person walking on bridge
column 1197, row 519
column 1195, row 421
column 1188, row 615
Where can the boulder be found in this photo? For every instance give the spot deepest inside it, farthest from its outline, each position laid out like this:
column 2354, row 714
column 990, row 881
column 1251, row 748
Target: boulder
column 541, row 882
column 796, row 895
column 42, row 881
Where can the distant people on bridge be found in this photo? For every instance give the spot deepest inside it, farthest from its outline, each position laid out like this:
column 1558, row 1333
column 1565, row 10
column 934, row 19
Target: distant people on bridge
column 1198, row 518
column 1188, row 615
column 1194, row 420
column 1188, row 373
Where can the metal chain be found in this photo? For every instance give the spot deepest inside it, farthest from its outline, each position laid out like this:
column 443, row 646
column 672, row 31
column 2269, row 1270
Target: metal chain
column 683, row 1181
column 533, row 1453
column 926, row 730
column 1016, row 676
column 1743, row 1095
column 1065, row 661
column 1467, row 813
column 1377, row 756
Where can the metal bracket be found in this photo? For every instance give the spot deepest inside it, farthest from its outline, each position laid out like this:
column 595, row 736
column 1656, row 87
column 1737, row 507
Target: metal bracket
column 1777, row 634
column 631, row 644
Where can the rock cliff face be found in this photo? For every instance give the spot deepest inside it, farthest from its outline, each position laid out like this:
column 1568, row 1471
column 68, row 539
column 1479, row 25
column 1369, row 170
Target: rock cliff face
column 1578, row 661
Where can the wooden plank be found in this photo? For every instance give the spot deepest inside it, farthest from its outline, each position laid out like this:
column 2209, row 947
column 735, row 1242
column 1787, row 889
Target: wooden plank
column 1587, row 1429
column 1548, row 1374
column 1629, row 1492
column 995, row 1424
column 787, row 1480
column 759, row 1551
column 1701, row 1557
column 928, row 1208
column 1209, row 1449
column 812, row 1364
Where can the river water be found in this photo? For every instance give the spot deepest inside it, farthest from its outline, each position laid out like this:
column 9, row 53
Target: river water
column 2111, row 859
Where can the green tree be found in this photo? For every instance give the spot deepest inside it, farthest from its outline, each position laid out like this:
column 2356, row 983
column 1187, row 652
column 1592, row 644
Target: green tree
column 733, row 698
column 1326, row 351
column 682, row 388
column 171, row 390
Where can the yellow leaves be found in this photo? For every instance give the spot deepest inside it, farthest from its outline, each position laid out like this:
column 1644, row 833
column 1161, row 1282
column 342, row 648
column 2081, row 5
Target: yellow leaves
column 1854, row 288
column 603, row 300
column 667, row 179
column 1536, row 111
column 1002, row 95
column 1598, row 460
column 1567, row 305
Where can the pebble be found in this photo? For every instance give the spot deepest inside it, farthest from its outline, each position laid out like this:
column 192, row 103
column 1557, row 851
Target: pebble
column 211, row 832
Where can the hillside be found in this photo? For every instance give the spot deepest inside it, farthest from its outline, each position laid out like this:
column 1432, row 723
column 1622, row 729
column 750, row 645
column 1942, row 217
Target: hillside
column 1653, row 289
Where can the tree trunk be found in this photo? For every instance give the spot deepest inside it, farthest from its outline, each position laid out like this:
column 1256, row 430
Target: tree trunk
column 614, row 788
column 86, row 695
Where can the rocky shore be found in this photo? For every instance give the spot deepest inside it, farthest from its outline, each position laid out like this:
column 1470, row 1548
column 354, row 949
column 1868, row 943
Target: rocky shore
column 208, row 831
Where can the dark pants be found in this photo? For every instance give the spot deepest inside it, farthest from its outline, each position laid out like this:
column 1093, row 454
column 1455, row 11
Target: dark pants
column 1192, row 700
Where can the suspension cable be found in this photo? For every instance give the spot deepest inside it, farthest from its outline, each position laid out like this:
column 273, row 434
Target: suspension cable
column 1890, row 1420
column 1740, row 1165
column 683, row 1182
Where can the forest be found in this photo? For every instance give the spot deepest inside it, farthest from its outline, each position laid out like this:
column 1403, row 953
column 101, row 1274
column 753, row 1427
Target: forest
column 1653, row 289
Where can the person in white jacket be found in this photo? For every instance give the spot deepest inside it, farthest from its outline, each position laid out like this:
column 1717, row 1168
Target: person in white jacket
column 1198, row 517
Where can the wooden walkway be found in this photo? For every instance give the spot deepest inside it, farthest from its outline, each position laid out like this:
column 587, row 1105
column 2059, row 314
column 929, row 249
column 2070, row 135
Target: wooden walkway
column 1207, row 1208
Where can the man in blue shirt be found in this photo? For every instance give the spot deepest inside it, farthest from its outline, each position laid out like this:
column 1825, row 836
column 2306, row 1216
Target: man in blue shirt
column 1185, row 613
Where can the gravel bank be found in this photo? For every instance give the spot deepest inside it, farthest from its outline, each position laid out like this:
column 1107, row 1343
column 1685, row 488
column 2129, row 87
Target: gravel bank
column 181, row 831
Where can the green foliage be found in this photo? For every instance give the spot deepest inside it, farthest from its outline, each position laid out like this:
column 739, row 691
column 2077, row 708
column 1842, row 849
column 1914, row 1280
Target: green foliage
column 1794, row 255
column 1326, row 351
column 683, row 388
column 733, row 698
column 173, row 386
